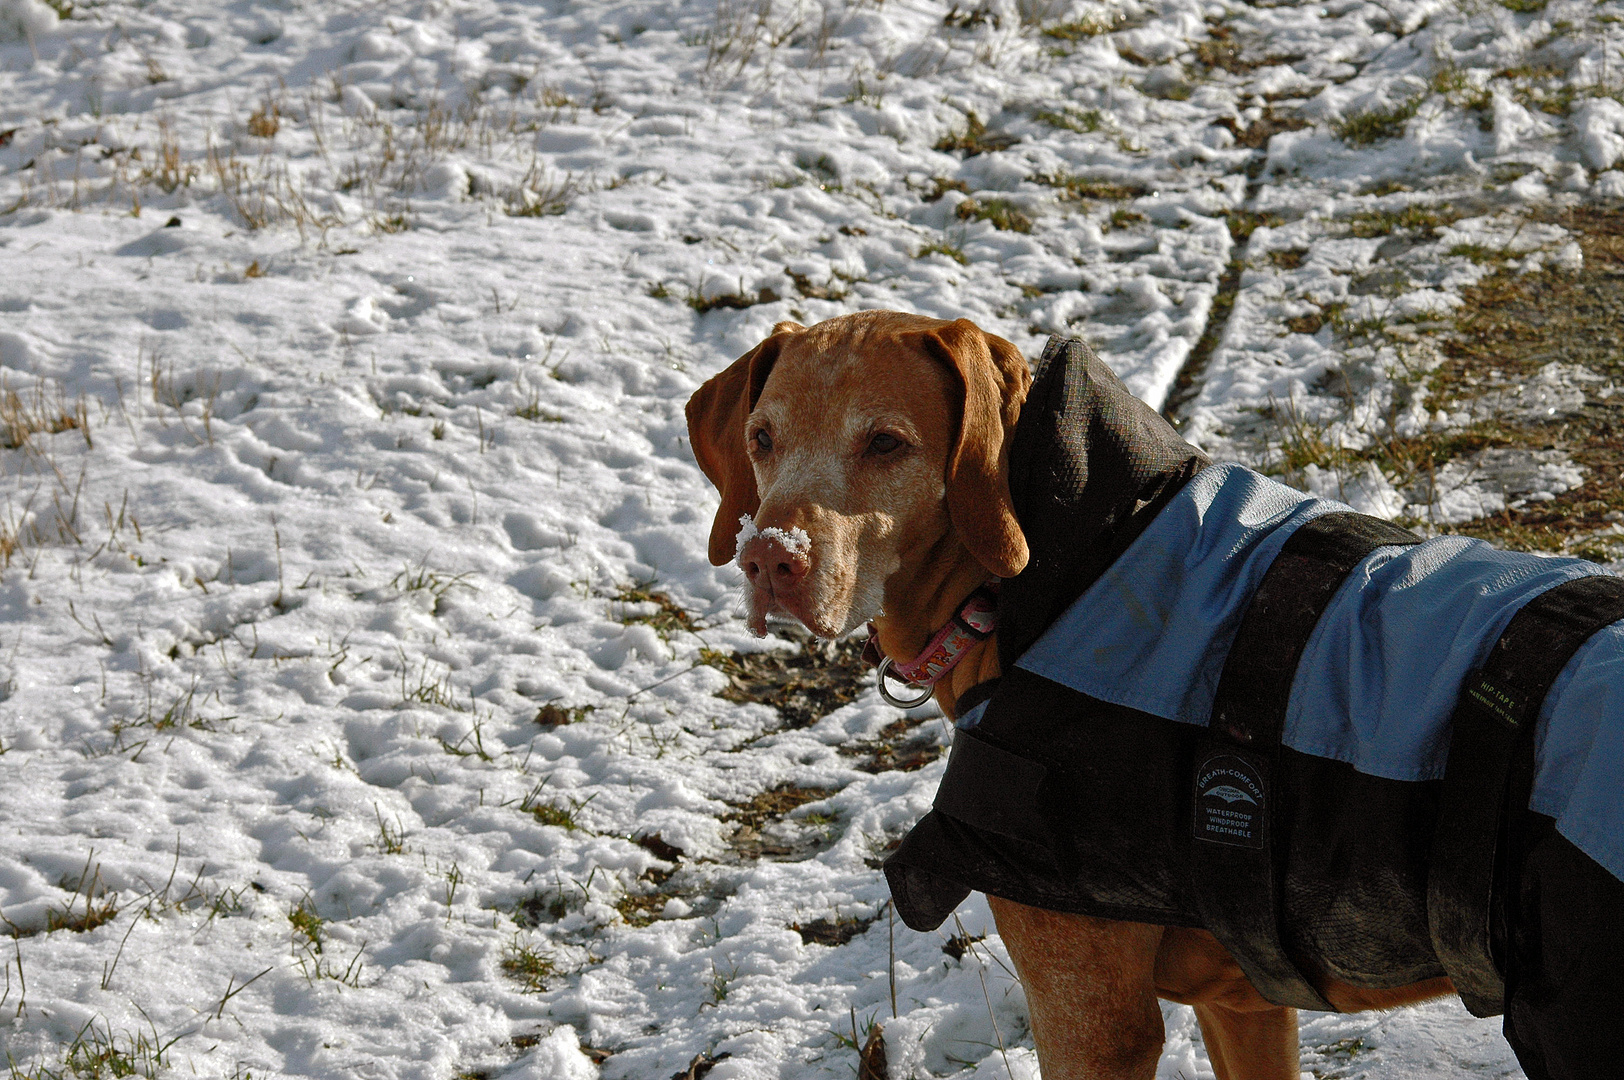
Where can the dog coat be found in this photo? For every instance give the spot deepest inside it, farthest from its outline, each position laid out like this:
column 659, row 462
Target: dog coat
column 1068, row 788
column 1381, row 672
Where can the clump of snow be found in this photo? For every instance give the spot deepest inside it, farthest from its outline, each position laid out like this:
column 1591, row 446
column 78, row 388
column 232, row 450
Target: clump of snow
column 558, row 1056
column 1506, row 234
column 25, row 20
column 1514, row 124
column 793, row 540
column 1609, row 185
column 1599, row 126
column 1365, row 489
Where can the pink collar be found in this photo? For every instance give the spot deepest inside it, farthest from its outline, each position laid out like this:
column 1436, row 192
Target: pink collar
column 974, row 623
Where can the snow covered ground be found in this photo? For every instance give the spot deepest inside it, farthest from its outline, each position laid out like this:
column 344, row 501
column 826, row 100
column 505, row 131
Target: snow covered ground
column 359, row 655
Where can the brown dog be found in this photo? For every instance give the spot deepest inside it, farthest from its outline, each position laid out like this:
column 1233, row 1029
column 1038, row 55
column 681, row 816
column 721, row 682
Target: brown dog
column 867, row 457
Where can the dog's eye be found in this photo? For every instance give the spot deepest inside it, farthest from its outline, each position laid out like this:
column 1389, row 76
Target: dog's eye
column 764, row 441
column 883, row 443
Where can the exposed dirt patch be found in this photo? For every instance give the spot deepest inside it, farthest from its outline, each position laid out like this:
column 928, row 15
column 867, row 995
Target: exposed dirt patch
column 655, row 844
column 904, row 745
column 1226, row 52
column 959, row 944
column 764, row 831
column 528, row 1041
column 803, row 686
column 774, row 803
column 1256, row 135
column 732, row 301
column 640, row 909
column 539, row 908
column 699, row 1067
column 552, row 715
column 812, row 291
column 1305, row 324
column 831, row 931
column 658, row 885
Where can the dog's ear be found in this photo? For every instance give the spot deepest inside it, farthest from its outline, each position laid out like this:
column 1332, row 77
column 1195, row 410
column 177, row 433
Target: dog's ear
column 995, row 377
column 716, row 416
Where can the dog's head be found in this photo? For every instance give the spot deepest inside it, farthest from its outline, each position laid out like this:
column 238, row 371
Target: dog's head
column 855, row 451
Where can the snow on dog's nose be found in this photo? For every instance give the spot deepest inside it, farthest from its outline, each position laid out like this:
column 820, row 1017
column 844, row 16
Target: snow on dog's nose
column 772, row 566
column 775, row 562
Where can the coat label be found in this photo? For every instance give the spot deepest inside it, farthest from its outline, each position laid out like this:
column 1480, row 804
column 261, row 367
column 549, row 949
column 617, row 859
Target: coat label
column 1231, row 801
column 1495, row 700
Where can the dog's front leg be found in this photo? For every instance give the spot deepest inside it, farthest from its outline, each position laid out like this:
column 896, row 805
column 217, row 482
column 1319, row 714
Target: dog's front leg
column 1090, row 990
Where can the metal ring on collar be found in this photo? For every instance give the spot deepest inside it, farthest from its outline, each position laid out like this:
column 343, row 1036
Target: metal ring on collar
column 902, row 703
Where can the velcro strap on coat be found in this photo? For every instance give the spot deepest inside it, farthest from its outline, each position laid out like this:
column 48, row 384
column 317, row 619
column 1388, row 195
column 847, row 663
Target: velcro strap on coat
column 994, row 790
column 1236, row 870
column 1490, row 772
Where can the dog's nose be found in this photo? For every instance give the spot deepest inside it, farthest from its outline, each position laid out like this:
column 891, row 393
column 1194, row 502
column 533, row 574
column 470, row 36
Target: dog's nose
column 770, row 566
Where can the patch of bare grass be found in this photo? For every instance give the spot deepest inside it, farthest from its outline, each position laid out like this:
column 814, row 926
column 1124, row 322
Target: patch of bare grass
column 941, row 185
column 1084, row 122
column 39, row 411
column 1420, row 219
column 265, row 121
column 563, row 813
column 975, row 138
column 528, row 966
column 540, row 193
column 1223, row 52
column 1083, row 29
column 1362, row 129
column 641, row 909
column 1070, row 187
column 640, row 605
column 1243, row 223
column 1508, row 328
column 92, row 905
column 969, row 20
column 812, row 291
column 648, row 902
column 1123, row 218
column 944, row 248
column 1002, row 214
column 96, row 1053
